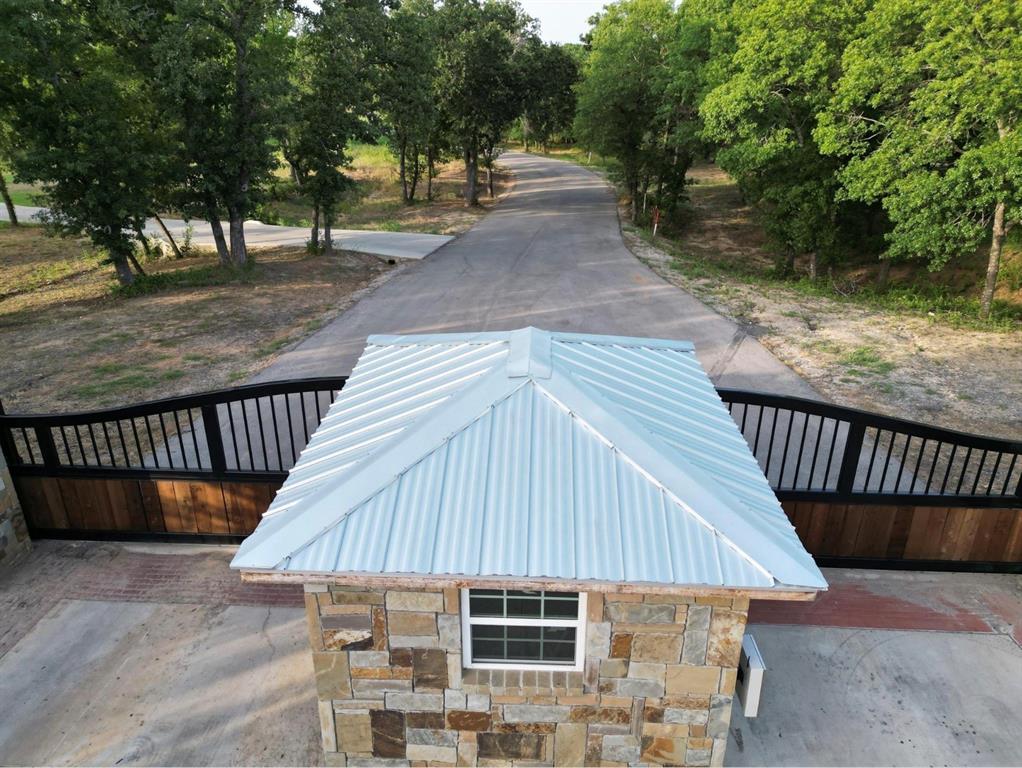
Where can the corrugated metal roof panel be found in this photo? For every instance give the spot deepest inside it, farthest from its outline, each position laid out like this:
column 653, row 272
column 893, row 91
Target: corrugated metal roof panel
column 532, row 455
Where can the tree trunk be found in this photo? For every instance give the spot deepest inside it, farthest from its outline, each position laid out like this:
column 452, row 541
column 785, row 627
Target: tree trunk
column 633, row 191
column 135, row 264
column 429, row 174
column 489, row 180
column 416, row 173
column 11, row 214
column 998, row 231
column 403, row 152
column 884, row 275
column 314, row 237
column 239, row 253
column 124, row 274
column 813, row 266
column 328, row 238
column 170, row 237
column 144, row 241
column 218, row 234
column 471, row 176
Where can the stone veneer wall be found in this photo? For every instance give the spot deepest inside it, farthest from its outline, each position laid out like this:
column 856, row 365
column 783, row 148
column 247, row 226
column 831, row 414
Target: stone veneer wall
column 14, row 541
column 657, row 687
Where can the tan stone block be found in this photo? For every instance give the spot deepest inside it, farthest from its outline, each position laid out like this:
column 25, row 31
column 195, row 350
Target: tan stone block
column 647, row 670
column 412, row 623
column 740, row 604
column 429, row 602
column 714, row 600
column 343, row 610
column 570, row 744
column 659, row 629
column 326, row 726
column 594, row 606
column 684, row 679
column 665, row 730
column 379, row 619
column 354, row 732
column 332, row 680
column 623, row 597
column 587, row 699
column 509, row 699
column 725, row 640
column 687, row 701
column 614, row 667
column 432, row 754
column 663, row 648
column 672, row 599
column 728, row 680
column 468, row 752
column 700, row 743
column 382, row 673
column 452, row 600
column 607, row 700
column 697, row 730
column 312, row 621
column 542, row 699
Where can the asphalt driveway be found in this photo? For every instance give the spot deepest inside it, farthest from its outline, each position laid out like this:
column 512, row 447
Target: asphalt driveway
column 550, row 255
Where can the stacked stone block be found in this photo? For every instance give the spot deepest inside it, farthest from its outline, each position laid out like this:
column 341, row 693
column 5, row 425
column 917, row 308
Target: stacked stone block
column 657, row 686
column 14, row 541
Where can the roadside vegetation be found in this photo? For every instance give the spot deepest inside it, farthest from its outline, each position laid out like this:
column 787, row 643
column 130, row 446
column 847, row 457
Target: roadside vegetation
column 863, row 134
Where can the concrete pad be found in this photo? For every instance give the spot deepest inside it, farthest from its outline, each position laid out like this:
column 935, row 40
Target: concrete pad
column 397, row 245
column 104, row 683
column 839, row 696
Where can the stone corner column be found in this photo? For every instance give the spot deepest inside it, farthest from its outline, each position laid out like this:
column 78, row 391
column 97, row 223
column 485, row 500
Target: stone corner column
column 14, row 541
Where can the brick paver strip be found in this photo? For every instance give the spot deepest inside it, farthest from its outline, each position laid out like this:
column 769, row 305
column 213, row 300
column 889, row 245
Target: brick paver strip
column 91, row 570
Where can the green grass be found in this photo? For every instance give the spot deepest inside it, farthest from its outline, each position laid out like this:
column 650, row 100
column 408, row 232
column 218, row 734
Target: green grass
column 189, row 277
column 111, row 380
column 863, row 361
column 371, row 156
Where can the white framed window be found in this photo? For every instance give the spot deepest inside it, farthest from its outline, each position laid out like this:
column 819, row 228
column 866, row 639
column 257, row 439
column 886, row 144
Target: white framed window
column 523, row 629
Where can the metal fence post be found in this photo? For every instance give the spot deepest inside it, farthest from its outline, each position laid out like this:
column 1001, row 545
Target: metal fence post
column 850, row 457
column 214, row 440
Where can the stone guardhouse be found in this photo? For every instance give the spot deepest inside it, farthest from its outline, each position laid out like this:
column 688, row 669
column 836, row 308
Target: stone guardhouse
column 527, row 548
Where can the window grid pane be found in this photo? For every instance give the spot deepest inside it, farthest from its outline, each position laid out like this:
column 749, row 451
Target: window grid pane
column 536, row 645
column 523, row 604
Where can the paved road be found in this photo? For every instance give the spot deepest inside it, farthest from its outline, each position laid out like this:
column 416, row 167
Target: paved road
column 550, row 255
column 400, row 245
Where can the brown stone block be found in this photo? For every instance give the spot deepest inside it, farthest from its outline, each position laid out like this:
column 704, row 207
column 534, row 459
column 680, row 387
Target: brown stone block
column 459, row 720
column 511, row 746
column 401, row 657
column 620, row 645
column 653, row 714
column 411, row 623
column 608, row 700
column 388, row 729
column 543, row 728
column 383, row 673
column 594, row 749
column 344, row 610
column 346, row 621
column 725, row 641
column 665, row 730
column 332, row 681
column 587, row 699
column 379, row 622
column 594, row 606
column 610, row 715
column 663, row 751
column 356, row 598
column 428, row 720
column 697, row 730
column 663, row 648
column 646, row 629
column 689, row 701
column 700, row 743
column 429, row 668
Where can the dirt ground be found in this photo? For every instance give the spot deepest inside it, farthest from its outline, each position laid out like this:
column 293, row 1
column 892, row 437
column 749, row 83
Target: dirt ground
column 71, row 343
column 904, row 364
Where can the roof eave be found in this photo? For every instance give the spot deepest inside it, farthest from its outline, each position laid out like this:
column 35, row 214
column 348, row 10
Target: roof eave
column 435, row 581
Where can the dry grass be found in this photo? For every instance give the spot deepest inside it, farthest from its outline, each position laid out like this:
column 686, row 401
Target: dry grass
column 72, row 342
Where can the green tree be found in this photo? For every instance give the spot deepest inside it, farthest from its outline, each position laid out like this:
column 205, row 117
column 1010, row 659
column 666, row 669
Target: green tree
column 475, row 77
column 927, row 115
column 620, row 99
column 763, row 111
column 222, row 75
column 407, row 94
column 548, row 75
column 83, row 122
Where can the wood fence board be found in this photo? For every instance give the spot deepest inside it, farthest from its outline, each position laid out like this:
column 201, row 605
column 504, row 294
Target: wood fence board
column 182, row 493
column 246, row 503
column 874, row 531
column 849, row 532
column 151, row 506
column 899, row 531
